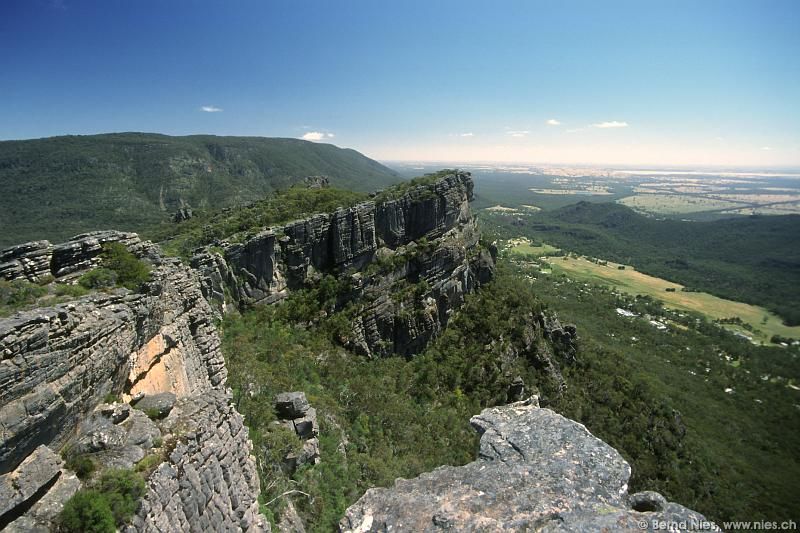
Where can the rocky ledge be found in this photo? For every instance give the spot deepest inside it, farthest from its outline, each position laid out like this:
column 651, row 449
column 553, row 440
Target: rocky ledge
column 425, row 237
column 536, row 471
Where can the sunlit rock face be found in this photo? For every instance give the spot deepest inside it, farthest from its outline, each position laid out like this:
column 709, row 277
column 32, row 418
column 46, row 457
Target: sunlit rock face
column 536, row 471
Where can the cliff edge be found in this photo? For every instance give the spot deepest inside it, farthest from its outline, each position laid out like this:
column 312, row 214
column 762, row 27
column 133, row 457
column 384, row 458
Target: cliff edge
column 536, row 471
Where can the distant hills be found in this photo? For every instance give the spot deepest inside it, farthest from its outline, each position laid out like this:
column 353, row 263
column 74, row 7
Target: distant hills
column 750, row 259
column 57, row 187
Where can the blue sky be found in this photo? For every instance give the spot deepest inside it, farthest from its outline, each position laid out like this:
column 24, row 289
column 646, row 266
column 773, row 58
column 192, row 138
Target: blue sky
column 639, row 82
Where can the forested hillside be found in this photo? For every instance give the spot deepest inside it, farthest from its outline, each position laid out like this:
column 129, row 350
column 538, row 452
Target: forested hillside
column 57, row 187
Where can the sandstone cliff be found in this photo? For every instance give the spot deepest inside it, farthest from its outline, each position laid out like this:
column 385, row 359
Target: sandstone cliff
column 425, row 236
column 536, row 471
column 59, row 363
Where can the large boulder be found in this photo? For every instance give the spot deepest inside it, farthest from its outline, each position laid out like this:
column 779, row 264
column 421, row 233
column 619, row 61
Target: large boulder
column 536, row 471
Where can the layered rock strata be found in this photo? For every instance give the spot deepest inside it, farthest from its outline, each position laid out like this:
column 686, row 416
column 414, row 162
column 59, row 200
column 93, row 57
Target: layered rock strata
column 536, row 471
column 60, row 363
column 426, row 237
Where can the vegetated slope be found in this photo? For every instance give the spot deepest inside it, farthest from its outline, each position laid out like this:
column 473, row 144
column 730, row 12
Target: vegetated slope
column 750, row 259
column 57, row 187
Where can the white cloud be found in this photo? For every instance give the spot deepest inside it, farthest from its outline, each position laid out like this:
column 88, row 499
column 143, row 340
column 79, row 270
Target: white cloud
column 518, row 133
column 211, row 109
column 553, row 122
column 469, row 134
column 317, row 136
column 611, row 124
column 766, row 148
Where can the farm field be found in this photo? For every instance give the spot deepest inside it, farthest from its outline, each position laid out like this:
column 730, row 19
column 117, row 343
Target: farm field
column 764, row 323
column 675, row 204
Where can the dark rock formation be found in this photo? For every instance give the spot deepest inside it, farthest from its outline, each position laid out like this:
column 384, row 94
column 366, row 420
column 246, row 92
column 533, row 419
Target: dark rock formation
column 536, row 471
column 34, row 493
column 295, row 413
column 182, row 214
column 29, row 261
column 316, row 182
column 426, row 235
column 158, row 405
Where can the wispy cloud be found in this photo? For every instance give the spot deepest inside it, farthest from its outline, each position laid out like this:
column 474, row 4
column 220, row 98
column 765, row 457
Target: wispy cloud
column 468, row 134
column 553, row 122
column 766, row 148
column 611, row 124
column 211, row 109
column 317, row 136
column 518, row 133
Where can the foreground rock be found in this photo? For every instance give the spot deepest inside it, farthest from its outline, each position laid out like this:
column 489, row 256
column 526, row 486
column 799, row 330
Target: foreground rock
column 209, row 480
column 536, row 471
column 59, row 365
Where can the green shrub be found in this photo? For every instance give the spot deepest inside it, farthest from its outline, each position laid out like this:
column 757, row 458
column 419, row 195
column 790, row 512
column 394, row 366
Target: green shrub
column 123, row 489
column 75, row 291
column 88, row 511
column 105, row 505
column 98, row 278
column 15, row 294
column 148, row 464
column 82, row 465
column 131, row 272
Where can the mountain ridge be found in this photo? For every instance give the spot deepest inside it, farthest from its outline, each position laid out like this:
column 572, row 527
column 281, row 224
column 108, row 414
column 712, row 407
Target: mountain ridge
column 56, row 187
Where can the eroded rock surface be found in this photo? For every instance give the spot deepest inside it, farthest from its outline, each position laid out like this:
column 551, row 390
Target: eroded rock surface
column 209, row 480
column 426, row 237
column 536, row 471
column 59, row 364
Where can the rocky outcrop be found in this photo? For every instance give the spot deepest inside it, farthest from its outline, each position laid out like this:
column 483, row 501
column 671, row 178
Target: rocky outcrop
column 29, row 261
column 536, row 471
column 60, row 363
column 39, row 260
column 209, row 480
column 296, row 415
column 33, row 494
column 425, row 237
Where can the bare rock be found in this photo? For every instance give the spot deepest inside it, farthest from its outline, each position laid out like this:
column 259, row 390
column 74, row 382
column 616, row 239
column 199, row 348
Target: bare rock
column 536, row 471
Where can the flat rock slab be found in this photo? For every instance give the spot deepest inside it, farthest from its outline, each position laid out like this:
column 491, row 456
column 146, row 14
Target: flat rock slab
column 35, row 472
column 536, row 471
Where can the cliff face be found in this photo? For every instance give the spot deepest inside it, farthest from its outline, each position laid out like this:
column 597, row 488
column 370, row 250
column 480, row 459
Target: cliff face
column 536, row 471
column 427, row 234
column 59, row 363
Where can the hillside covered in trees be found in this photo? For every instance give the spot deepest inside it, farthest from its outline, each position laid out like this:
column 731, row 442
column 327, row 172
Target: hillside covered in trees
column 57, row 187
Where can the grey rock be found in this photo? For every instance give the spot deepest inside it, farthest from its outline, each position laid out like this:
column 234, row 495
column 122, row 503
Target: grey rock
column 29, row 261
column 291, row 405
column 159, row 404
column 536, row 471
column 316, row 182
column 209, row 482
column 40, row 517
column 116, row 412
column 58, row 363
column 288, row 520
column 38, row 470
column 182, row 214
